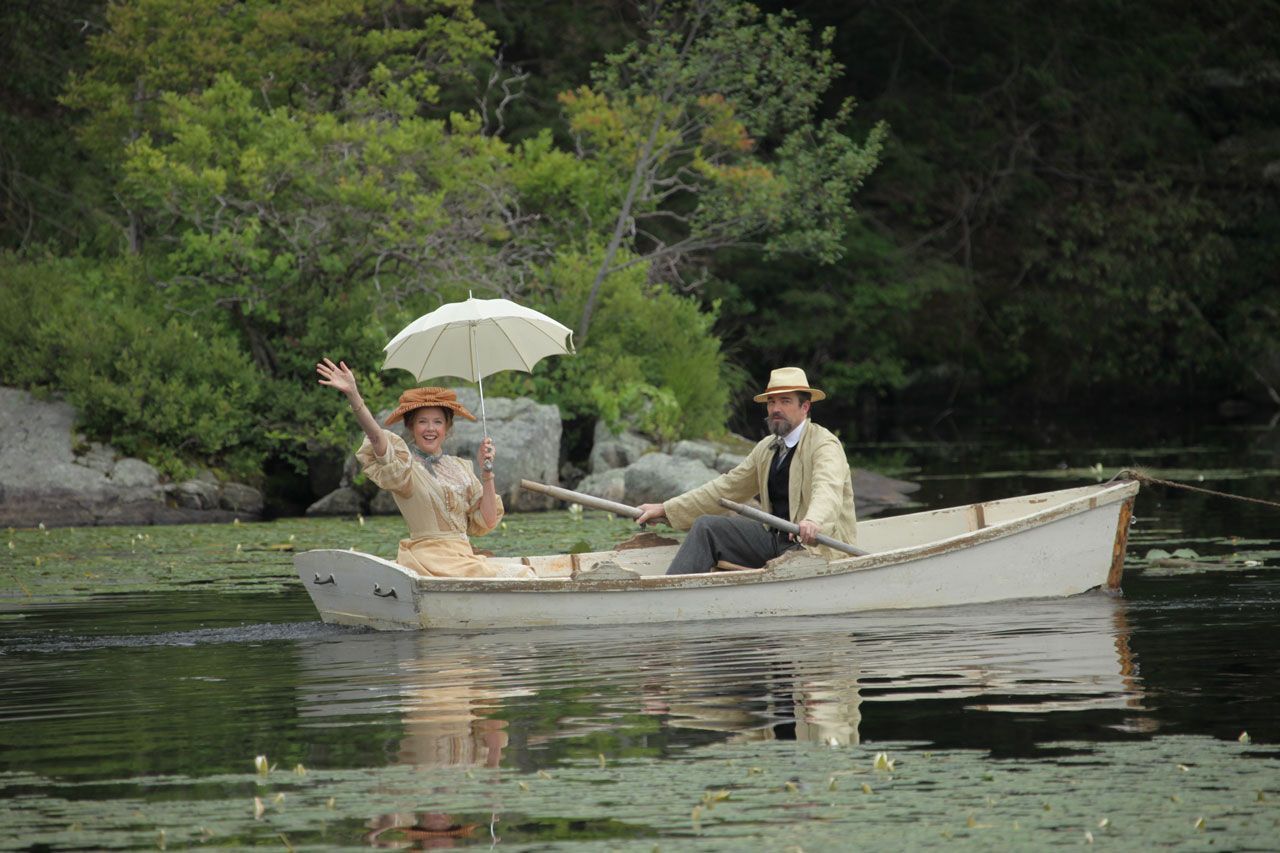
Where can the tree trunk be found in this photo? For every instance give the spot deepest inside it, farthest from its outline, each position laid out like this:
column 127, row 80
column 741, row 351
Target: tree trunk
column 259, row 347
column 619, row 229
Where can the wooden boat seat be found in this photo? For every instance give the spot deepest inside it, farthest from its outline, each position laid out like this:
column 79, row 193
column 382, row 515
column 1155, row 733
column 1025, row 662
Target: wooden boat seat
column 602, row 571
column 726, row 566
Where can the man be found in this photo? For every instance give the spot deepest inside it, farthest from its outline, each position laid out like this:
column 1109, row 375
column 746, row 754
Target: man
column 799, row 472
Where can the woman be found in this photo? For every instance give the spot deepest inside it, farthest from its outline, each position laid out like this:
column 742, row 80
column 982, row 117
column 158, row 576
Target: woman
column 439, row 496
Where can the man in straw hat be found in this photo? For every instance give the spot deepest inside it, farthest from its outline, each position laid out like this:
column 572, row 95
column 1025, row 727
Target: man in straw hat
column 799, row 472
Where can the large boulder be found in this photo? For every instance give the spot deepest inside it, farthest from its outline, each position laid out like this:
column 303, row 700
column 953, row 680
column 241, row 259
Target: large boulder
column 239, row 498
column 659, row 476
column 344, row 501
column 703, row 451
column 610, row 485
column 874, row 493
column 609, row 451
column 526, row 437
column 49, row 476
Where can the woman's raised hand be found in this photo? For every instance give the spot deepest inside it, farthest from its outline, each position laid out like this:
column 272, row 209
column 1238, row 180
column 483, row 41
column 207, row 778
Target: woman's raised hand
column 337, row 376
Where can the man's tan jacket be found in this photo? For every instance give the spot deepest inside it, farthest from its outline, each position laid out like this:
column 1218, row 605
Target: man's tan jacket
column 820, row 486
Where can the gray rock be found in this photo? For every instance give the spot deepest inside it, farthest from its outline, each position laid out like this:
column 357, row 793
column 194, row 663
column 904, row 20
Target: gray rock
column 343, row 501
column 195, row 494
column 726, row 462
column 874, row 493
column 383, row 503
column 239, row 498
column 526, row 436
column 610, row 485
column 43, row 482
column 136, row 474
column 99, row 458
column 571, row 475
column 609, row 451
column 703, row 451
column 659, row 476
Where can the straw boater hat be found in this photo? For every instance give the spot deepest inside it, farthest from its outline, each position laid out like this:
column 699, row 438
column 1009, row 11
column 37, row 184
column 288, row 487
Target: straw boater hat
column 787, row 380
column 419, row 398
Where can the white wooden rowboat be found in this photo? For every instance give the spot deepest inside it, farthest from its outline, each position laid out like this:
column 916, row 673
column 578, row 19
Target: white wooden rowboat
column 1036, row 546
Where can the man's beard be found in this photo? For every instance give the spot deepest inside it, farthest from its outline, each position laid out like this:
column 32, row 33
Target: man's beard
column 778, row 425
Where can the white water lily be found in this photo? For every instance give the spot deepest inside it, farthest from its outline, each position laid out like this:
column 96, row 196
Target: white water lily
column 260, row 763
column 258, row 808
column 883, row 762
column 1244, row 738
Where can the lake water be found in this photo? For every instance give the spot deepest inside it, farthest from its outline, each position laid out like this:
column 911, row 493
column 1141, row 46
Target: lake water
column 133, row 720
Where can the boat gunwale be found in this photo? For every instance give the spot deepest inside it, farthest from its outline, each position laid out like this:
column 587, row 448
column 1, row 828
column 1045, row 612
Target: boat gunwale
column 1105, row 495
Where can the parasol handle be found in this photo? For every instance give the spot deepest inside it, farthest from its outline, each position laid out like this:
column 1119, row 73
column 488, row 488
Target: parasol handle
column 475, row 363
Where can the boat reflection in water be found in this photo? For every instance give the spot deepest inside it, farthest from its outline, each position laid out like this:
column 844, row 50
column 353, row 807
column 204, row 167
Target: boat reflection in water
column 526, row 698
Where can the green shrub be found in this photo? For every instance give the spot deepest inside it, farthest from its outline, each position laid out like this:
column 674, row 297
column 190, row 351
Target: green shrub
column 154, row 386
column 651, row 362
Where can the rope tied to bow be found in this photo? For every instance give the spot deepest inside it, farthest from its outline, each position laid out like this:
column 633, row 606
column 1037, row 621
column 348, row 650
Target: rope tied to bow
column 1145, row 479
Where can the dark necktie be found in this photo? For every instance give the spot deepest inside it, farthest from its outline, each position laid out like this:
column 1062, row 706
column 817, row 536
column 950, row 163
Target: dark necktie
column 779, row 453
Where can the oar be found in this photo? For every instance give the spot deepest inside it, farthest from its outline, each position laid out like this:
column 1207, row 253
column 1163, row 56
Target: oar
column 582, row 498
column 787, row 527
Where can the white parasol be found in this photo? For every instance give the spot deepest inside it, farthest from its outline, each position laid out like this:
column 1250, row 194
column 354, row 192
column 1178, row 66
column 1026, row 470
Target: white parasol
column 477, row 338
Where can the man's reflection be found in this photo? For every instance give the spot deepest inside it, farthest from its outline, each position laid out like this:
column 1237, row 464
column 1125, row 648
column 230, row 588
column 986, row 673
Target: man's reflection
column 771, row 699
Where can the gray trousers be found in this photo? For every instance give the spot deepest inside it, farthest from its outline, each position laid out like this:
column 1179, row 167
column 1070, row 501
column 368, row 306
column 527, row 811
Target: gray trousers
column 735, row 540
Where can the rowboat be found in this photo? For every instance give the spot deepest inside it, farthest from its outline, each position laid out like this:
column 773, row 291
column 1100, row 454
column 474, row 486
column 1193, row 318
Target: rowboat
column 1044, row 545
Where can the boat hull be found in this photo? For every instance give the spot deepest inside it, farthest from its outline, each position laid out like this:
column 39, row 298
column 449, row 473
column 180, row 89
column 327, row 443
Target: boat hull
column 1069, row 548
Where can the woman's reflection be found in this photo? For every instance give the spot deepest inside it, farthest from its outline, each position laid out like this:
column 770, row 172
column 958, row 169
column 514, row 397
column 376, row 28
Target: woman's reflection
column 449, row 720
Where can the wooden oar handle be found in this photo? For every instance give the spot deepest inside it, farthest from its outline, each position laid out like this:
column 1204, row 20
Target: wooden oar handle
column 582, row 498
column 788, row 527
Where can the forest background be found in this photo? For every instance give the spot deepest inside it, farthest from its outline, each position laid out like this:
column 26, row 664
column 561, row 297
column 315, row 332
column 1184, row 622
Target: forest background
column 928, row 205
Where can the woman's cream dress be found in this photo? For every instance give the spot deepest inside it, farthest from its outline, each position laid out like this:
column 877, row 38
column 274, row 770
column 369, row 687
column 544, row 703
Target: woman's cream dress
column 441, row 508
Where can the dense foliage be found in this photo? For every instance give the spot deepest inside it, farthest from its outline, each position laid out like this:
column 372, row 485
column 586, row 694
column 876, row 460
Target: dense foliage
column 920, row 202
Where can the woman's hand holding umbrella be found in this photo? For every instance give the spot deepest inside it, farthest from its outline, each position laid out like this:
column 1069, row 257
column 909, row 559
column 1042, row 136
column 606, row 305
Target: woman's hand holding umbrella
column 484, row 457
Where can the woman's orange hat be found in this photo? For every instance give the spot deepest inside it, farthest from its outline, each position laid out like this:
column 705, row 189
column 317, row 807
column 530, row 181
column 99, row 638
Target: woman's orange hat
column 421, row 398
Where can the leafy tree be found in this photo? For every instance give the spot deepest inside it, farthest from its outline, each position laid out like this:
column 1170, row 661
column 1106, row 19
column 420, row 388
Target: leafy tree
column 311, row 56
column 1093, row 175
column 275, row 215
column 706, row 126
column 48, row 195
column 654, row 364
